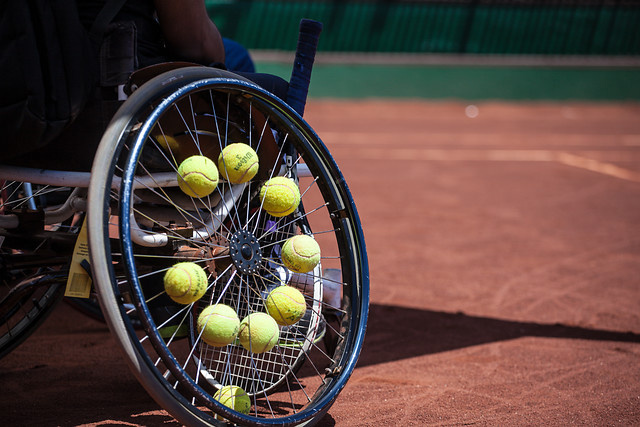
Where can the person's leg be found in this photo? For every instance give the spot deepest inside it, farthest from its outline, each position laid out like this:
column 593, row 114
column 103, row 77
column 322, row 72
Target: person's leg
column 238, row 60
column 274, row 84
column 237, row 57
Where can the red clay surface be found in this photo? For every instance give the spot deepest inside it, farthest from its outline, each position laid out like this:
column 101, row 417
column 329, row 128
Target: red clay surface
column 505, row 276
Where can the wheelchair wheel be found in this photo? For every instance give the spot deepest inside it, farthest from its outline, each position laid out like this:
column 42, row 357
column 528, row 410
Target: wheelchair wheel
column 32, row 261
column 141, row 223
column 25, row 305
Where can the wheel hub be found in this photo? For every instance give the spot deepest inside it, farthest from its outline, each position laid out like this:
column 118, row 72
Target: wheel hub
column 245, row 252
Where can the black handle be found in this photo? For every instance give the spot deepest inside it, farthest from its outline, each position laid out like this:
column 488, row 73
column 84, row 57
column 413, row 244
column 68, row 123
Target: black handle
column 302, row 65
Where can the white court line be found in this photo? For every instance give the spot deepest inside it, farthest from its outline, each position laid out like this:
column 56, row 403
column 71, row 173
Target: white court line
column 561, row 157
column 437, row 154
column 597, row 166
column 577, row 141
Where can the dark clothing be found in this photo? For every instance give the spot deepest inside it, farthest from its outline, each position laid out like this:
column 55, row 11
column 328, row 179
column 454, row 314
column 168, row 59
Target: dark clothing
column 149, row 42
column 236, row 57
column 133, row 40
column 150, row 47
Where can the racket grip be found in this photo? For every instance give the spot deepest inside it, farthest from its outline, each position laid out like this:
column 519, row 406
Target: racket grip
column 303, row 64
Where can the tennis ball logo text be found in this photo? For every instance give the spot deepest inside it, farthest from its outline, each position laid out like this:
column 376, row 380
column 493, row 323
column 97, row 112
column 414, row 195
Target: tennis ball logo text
column 242, row 160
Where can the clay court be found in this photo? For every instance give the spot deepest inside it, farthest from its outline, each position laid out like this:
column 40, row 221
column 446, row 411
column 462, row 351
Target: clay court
column 504, row 251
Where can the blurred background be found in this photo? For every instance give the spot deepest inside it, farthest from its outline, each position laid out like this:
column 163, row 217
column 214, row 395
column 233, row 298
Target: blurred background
column 465, row 49
column 498, row 184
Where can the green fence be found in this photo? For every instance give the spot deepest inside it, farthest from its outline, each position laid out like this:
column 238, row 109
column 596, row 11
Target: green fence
column 587, row 27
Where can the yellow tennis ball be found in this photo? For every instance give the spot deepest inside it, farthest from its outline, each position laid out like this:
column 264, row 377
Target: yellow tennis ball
column 259, row 332
column 279, row 196
column 234, row 397
column 168, row 143
column 185, row 282
column 238, row 163
column 197, row 176
column 286, row 305
column 301, row 253
column 218, row 325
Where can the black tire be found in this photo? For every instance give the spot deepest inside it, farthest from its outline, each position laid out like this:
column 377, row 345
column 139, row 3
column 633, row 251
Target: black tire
column 25, row 306
column 204, row 109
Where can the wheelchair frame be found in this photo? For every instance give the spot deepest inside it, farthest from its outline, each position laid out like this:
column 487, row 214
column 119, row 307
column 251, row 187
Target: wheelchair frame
column 297, row 381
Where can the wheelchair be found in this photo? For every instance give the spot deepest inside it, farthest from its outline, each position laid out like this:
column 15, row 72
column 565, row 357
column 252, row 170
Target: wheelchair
column 138, row 223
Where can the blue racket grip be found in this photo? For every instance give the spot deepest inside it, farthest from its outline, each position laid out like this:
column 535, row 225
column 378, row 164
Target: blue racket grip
column 303, row 64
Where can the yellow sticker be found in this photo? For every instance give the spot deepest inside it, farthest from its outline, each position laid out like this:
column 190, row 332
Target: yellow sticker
column 79, row 280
